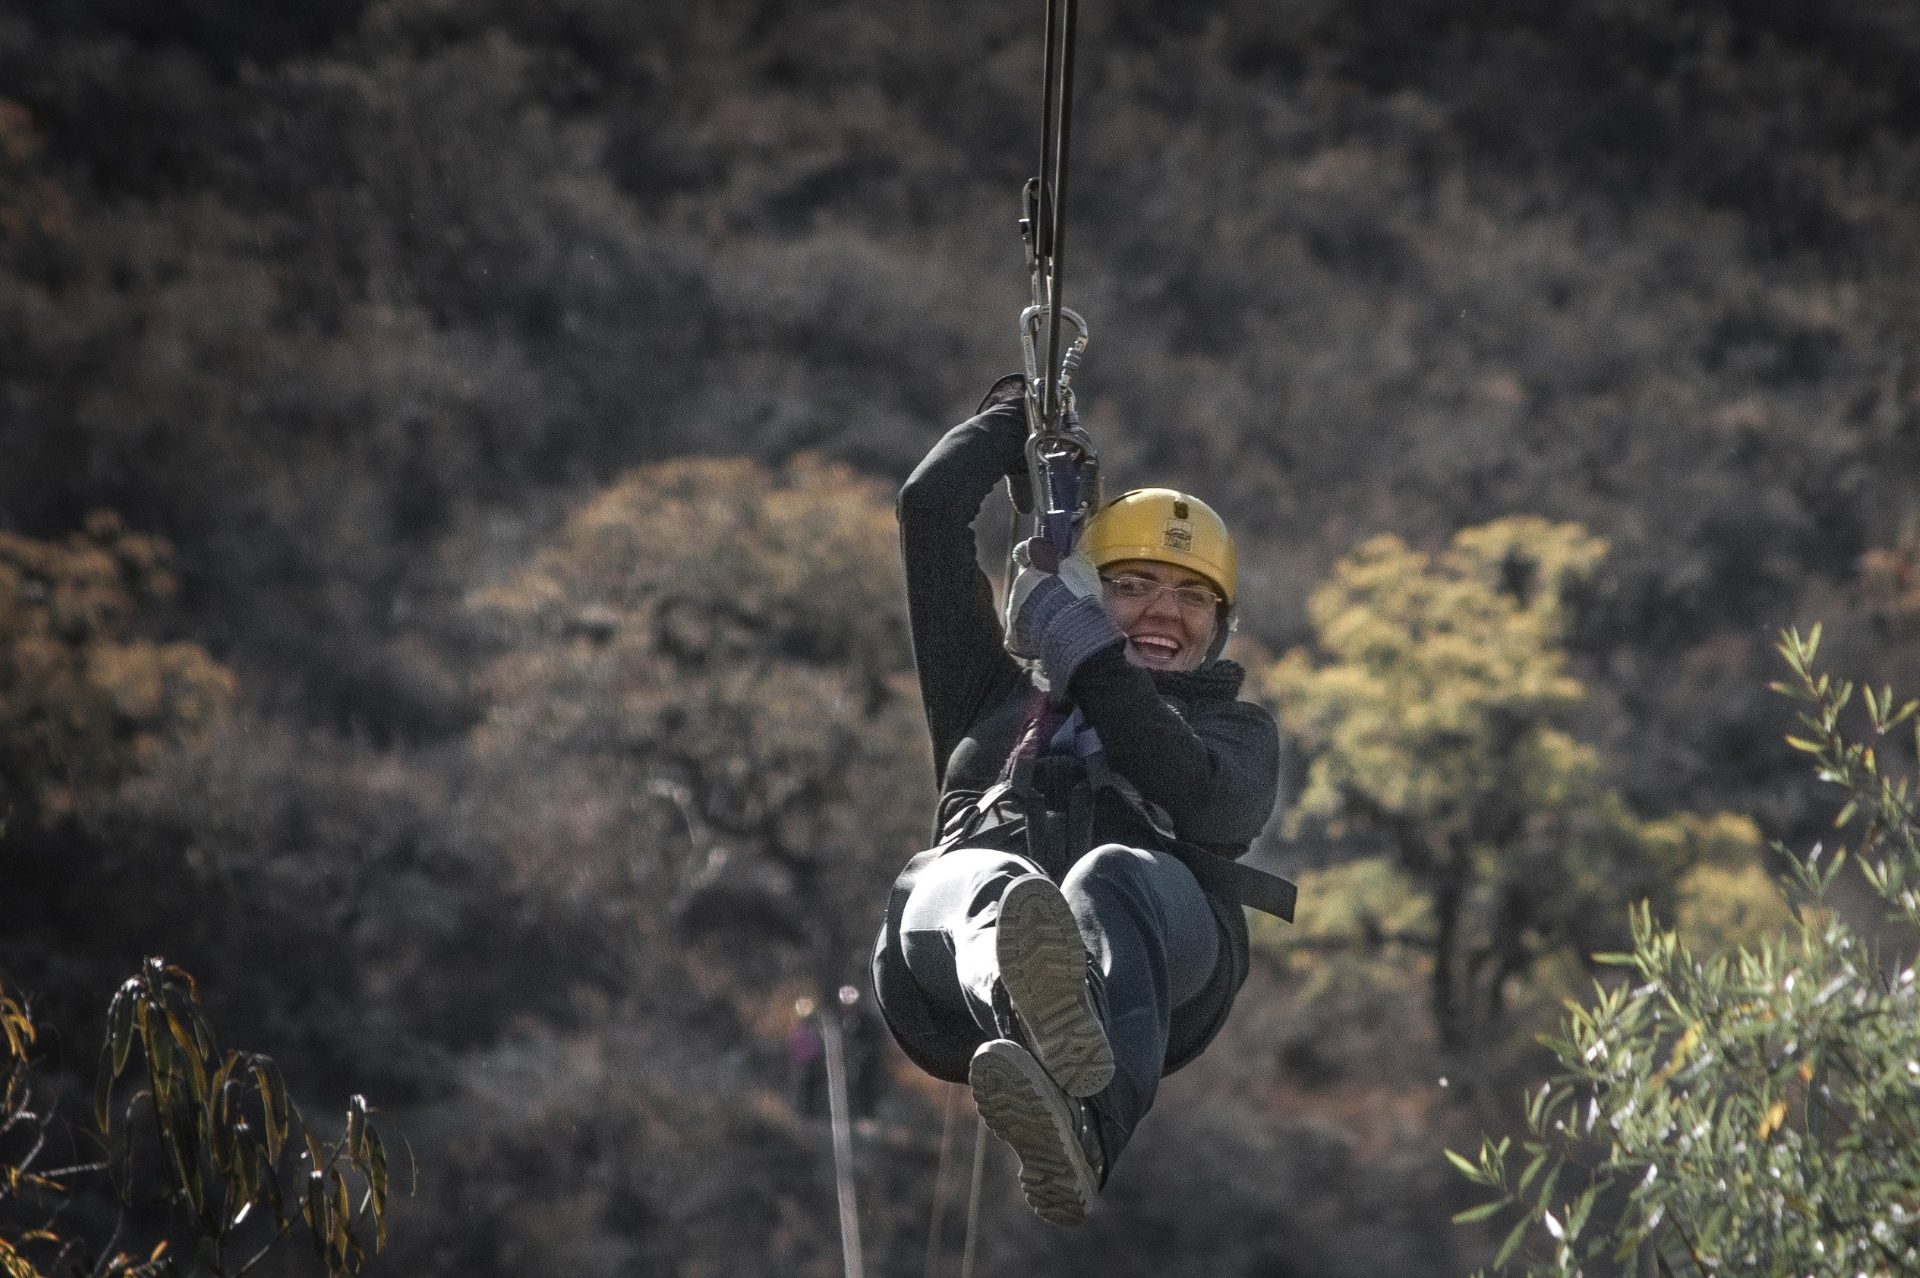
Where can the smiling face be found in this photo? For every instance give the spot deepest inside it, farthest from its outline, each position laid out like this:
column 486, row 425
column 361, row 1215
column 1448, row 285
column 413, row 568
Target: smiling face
column 1162, row 632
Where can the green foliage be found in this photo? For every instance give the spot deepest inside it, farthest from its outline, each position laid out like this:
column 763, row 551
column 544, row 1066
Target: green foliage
column 1436, row 729
column 1443, row 676
column 238, row 1161
column 1368, row 918
column 1755, row 1111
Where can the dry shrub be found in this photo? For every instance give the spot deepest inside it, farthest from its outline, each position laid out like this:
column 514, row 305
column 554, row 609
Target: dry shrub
column 722, row 647
column 85, row 698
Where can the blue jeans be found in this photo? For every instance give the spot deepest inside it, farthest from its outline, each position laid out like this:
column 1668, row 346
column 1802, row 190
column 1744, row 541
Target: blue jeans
column 1151, row 932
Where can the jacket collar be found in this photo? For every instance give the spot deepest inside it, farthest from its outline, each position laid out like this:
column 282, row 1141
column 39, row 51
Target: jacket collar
column 1218, row 680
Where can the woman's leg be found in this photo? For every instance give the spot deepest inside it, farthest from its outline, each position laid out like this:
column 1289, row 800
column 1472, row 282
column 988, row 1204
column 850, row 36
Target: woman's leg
column 1155, row 940
column 947, row 931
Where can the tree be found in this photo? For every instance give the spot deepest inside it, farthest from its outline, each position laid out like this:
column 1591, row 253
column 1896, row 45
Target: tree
column 85, row 699
column 712, row 655
column 1757, row 1111
column 1436, row 727
column 237, row 1164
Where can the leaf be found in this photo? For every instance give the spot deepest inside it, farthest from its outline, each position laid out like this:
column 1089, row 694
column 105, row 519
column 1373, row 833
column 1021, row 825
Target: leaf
column 313, row 1209
column 274, row 1110
column 1466, row 1167
column 1480, row 1212
column 183, row 1166
column 1577, row 1218
column 266, row 1176
column 120, row 1021
column 189, row 1045
column 356, row 1126
column 1512, row 1242
column 1770, row 1121
column 377, row 1171
column 103, row 1092
column 1531, row 1170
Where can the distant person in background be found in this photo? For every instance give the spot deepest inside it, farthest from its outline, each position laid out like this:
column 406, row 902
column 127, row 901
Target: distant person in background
column 861, row 1037
column 1061, row 956
column 806, row 1061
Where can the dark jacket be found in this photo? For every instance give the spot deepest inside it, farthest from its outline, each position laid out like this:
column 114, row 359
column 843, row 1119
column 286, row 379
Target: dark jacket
column 1184, row 741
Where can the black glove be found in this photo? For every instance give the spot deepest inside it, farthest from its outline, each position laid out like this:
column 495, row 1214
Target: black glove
column 1010, row 389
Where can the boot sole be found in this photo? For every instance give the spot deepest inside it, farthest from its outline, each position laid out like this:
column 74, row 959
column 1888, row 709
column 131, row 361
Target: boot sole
column 1043, row 964
column 1019, row 1105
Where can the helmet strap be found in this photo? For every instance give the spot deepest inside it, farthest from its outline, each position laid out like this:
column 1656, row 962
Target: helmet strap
column 1226, row 620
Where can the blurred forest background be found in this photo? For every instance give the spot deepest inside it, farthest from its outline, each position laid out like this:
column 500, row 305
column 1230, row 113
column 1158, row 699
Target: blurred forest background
column 449, row 600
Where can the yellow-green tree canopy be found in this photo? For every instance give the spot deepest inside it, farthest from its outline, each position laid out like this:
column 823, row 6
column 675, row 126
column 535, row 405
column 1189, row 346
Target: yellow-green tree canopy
column 1435, row 716
column 1444, row 675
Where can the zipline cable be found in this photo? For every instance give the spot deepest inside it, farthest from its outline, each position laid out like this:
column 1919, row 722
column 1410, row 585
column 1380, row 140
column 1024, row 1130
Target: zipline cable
column 1057, row 245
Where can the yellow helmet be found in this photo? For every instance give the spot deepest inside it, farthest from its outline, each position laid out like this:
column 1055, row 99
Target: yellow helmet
column 1167, row 527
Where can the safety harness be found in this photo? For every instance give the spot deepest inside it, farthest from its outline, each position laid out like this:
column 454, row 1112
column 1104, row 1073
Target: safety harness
column 1054, row 793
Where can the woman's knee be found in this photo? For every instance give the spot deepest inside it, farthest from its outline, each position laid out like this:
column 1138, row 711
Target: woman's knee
column 1154, row 879
column 958, row 885
column 1110, row 863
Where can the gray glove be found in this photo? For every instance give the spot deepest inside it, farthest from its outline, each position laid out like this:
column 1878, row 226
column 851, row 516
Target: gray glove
column 1055, row 614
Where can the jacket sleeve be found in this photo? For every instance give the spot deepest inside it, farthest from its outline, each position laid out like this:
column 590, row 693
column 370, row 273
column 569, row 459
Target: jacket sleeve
column 958, row 649
column 1217, row 775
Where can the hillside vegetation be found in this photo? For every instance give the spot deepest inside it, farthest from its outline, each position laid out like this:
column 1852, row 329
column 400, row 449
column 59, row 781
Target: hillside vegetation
column 448, row 598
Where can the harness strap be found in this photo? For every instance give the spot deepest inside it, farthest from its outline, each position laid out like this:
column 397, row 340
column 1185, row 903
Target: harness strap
column 1220, row 876
column 1056, row 794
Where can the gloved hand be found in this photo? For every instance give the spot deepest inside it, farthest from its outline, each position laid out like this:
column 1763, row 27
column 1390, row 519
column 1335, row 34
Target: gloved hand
column 1055, row 612
column 1011, row 390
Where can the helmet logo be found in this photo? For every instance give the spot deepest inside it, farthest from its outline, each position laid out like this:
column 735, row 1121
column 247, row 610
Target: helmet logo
column 1178, row 536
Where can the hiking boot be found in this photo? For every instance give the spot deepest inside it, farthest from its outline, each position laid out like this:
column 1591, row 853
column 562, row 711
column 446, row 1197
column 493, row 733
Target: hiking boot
column 1043, row 970
column 1061, row 1165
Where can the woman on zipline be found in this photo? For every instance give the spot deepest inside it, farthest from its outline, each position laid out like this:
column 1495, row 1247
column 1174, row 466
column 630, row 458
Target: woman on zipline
column 1054, row 949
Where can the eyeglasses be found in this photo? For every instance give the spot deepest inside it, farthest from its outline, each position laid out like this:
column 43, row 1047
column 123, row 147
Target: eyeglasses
column 1195, row 601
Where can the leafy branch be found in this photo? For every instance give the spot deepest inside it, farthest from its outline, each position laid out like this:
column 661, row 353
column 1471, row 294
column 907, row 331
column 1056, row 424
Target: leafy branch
column 1749, row 1112
column 241, row 1165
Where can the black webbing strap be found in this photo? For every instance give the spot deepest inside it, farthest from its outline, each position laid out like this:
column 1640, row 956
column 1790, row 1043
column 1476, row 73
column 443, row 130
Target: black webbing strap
column 1056, row 795
column 1052, row 794
column 1234, row 881
column 1220, row 876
